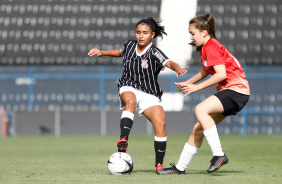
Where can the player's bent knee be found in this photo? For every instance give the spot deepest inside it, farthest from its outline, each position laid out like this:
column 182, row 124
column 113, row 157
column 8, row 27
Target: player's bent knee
column 199, row 109
column 160, row 128
column 162, row 124
column 130, row 103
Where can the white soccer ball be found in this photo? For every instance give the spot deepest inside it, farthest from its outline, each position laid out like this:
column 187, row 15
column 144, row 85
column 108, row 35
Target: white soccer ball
column 120, row 163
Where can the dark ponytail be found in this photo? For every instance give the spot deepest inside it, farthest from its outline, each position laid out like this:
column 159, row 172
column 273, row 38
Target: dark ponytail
column 158, row 29
column 204, row 22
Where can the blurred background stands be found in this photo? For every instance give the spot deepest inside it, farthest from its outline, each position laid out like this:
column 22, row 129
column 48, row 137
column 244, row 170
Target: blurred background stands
column 251, row 30
column 45, row 67
column 62, row 32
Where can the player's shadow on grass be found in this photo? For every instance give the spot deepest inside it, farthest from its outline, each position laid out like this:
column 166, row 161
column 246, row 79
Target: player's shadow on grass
column 145, row 171
column 217, row 173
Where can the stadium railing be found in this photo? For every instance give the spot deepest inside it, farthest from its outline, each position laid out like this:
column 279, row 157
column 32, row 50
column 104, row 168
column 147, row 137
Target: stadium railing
column 264, row 83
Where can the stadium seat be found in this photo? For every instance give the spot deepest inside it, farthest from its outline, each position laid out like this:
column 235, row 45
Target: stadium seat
column 54, row 33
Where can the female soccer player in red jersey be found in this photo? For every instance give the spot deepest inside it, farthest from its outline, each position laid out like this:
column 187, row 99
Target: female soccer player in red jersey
column 233, row 94
column 138, row 85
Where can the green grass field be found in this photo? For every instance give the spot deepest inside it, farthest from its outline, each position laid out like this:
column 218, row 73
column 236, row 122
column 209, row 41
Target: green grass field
column 82, row 159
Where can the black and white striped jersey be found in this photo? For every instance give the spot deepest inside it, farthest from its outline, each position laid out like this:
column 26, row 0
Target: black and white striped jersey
column 141, row 70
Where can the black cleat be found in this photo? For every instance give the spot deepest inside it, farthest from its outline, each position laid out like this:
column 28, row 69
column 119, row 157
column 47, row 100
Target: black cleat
column 170, row 170
column 217, row 162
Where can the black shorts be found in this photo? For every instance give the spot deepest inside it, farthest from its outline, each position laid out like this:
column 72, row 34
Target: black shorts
column 232, row 101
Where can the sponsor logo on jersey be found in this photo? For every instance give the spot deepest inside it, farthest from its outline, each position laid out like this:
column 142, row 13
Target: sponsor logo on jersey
column 159, row 56
column 144, row 63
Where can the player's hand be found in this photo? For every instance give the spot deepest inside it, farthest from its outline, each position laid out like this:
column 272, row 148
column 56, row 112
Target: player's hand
column 94, row 52
column 181, row 71
column 187, row 88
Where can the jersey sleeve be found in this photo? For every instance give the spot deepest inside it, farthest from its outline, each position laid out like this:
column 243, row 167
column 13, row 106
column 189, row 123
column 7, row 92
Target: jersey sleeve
column 123, row 49
column 215, row 56
column 160, row 57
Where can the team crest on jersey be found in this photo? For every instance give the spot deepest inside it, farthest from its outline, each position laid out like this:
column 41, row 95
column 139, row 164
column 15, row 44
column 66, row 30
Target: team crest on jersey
column 206, row 63
column 144, row 63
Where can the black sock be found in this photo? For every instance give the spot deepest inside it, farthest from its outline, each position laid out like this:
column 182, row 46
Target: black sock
column 125, row 127
column 160, row 149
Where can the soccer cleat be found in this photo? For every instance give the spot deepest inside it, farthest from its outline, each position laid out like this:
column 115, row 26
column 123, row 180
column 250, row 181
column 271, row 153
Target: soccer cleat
column 217, row 162
column 170, row 170
column 159, row 166
column 122, row 145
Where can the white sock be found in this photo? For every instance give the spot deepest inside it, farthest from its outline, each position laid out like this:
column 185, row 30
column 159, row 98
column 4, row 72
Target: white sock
column 213, row 140
column 186, row 156
column 127, row 114
column 160, row 139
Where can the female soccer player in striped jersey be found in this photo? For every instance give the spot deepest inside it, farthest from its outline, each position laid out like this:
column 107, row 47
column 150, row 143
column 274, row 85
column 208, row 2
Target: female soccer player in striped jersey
column 138, row 85
column 233, row 94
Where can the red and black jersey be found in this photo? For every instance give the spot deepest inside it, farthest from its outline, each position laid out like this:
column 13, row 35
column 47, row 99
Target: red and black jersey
column 213, row 53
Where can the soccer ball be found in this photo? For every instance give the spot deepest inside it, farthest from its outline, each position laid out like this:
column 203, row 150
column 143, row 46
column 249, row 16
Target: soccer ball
column 120, row 163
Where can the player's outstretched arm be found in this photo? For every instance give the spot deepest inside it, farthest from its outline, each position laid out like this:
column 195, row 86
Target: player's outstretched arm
column 201, row 74
column 175, row 67
column 189, row 86
column 100, row 53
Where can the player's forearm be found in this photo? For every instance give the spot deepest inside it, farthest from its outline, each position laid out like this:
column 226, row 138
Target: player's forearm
column 214, row 79
column 172, row 65
column 113, row 53
column 201, row 74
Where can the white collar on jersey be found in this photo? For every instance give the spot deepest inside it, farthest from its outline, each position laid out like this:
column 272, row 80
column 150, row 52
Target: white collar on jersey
column 148, row 46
